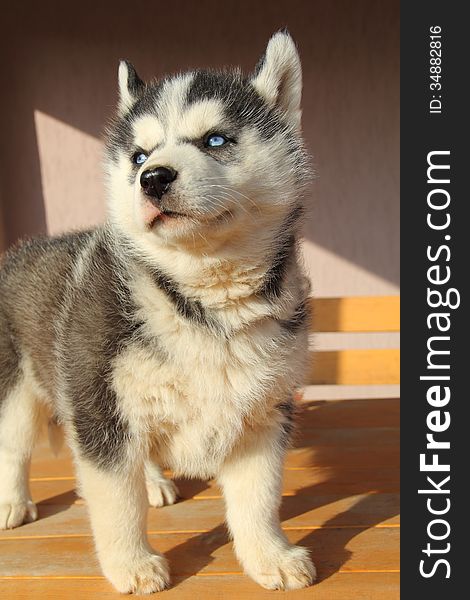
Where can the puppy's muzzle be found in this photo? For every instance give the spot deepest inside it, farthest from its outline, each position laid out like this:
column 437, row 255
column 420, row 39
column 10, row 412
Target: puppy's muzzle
column 156, row 182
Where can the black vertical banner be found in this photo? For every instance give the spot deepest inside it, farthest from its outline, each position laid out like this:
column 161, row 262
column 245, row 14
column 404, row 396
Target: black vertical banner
column 435, row 258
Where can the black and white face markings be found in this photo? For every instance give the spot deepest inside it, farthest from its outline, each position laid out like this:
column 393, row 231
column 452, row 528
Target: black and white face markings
column 240, row 106
column 231, row 142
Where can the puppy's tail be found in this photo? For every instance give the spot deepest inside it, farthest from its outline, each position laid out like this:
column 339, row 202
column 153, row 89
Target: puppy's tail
column 56, row 435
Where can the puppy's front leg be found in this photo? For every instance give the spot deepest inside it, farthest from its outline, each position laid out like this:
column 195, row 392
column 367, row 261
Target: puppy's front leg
column 251, row 482
column 117, row 502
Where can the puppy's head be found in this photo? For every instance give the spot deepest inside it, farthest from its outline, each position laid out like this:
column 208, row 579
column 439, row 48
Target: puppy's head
column 202, row 157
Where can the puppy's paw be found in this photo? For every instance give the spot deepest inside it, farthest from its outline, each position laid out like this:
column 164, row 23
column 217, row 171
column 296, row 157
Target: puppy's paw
column 161, row 491
column 13, row 514
column 146, row 574
column 288, row 569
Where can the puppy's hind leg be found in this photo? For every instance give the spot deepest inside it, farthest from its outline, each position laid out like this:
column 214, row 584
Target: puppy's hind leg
column 19, row 424
column 160, row 489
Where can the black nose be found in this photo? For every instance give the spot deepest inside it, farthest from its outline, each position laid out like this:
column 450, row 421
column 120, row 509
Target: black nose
column 156, row 182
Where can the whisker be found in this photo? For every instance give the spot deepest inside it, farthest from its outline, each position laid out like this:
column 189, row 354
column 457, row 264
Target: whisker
column 234, row 191
column 227, row 197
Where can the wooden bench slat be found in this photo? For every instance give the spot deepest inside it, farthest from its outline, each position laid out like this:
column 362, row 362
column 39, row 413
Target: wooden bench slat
column 351, row 478
column 202, row 553
column 306, row 512
column 356, row 314
column 354, row 367
column 353, row 584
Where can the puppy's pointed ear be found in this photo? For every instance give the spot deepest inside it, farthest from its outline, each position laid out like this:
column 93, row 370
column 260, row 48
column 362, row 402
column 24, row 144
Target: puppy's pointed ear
column 130, row 86
column 278, row 76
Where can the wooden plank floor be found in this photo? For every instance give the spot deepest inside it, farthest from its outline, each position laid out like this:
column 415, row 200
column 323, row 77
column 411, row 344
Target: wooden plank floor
column 340, row 499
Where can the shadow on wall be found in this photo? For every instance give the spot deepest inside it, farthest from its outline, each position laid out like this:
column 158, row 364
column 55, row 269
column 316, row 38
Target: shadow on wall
column 66, row 68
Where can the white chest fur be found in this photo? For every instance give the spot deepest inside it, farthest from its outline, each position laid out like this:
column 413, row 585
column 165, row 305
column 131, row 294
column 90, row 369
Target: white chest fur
column 192, row 394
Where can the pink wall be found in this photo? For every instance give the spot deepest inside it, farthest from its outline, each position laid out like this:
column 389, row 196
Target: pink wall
column 59, row 87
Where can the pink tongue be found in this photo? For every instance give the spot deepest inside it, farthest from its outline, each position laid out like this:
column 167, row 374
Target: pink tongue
column 150, row 212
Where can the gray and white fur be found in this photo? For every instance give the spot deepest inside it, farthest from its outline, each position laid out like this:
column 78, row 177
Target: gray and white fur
column 175, row 335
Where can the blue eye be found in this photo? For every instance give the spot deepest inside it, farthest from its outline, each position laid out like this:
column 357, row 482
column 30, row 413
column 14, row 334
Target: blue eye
column 215, row 140
column 139, row 158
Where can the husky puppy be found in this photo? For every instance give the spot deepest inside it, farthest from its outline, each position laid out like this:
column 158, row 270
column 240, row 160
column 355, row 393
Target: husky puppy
column 175, row 335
